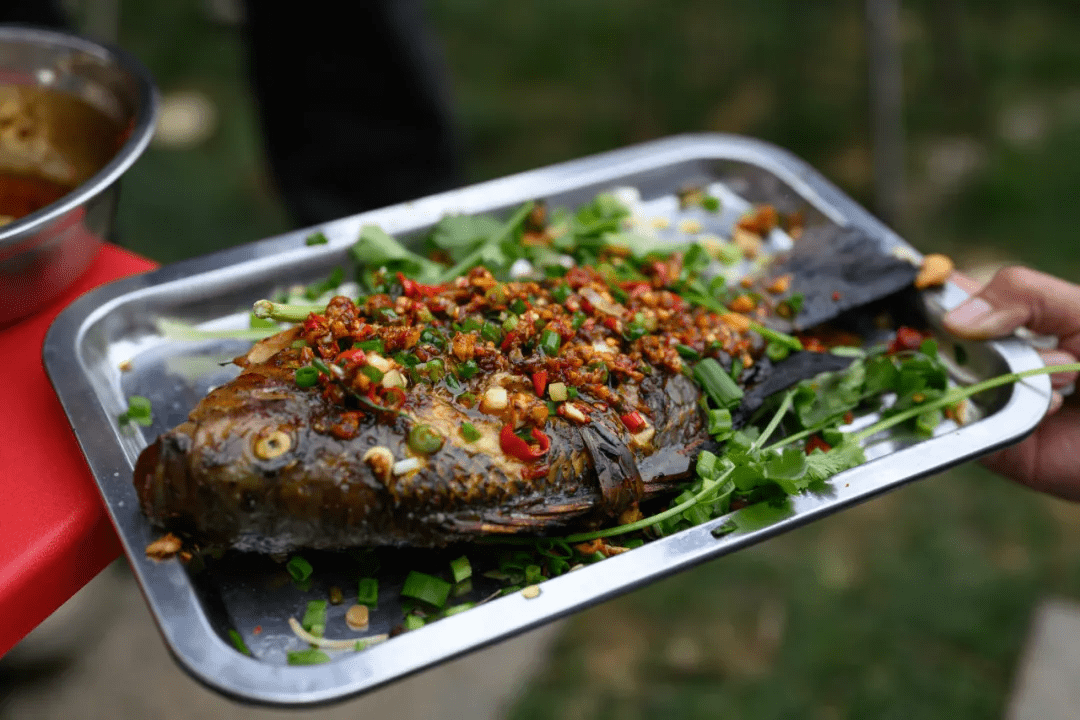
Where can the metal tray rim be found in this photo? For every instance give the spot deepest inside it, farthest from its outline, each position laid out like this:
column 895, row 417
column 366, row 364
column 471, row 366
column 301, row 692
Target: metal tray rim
column 209, row 659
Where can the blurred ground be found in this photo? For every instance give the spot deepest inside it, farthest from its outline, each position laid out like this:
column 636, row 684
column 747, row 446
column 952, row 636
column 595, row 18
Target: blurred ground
column 925, row 603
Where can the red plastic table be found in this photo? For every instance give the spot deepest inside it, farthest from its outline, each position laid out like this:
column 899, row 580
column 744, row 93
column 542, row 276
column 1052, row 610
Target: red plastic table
column 55, row 535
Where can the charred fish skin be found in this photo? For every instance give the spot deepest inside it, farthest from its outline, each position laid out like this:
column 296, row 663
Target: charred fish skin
column 216, row 478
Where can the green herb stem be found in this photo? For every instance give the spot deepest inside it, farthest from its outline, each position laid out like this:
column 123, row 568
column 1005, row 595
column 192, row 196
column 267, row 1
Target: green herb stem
column 776, row 336
column 785, row 405
column 957, row 394
column 708, row 487
column 282, row 312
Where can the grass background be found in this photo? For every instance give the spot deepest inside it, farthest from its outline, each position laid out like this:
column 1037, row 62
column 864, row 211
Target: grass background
column 914, row 605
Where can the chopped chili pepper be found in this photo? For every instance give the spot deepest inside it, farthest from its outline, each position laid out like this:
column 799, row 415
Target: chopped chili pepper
column 413, row 289
column 514, row 446
column 634, row 288
column 836, row 295
column 508, row 341
column 906, row 339
column 314, row 320
column 815, row 442
column 633, row 421
column 352, row 356
column 540, row 379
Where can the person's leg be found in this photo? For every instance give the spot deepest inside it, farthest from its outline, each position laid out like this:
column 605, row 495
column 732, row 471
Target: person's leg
column 355, row 110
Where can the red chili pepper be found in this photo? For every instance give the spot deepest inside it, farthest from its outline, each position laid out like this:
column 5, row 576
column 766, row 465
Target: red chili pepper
column 633, row 421
column 508, row 340
column 849, row 417
column 413, row 289
column 313, row 321
column 836, row 295
column 660, row 271
column 611, row 323
column 816, row 442
column 906, row 339
column 577, row 278
column 257, row 630
column 634, row 288
column 514, row 446
column 540, row 378
column 352, row 356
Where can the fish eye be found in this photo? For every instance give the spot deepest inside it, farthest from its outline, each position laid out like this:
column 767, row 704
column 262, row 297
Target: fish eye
column 275, row 444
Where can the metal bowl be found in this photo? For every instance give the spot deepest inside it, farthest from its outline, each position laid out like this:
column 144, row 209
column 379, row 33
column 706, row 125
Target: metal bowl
column 73, row 114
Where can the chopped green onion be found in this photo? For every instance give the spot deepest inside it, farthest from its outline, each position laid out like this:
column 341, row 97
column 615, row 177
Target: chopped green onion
column 452, row 382
column 430, row 336
column 424, row 439
column 710, row 203
column 572, row 393
column 299, row 568
column 469, row 432
column 298, row 344
column 510, row 323
column 413, row 622
column 461, row 569
column 730, row 253
column 315, row 617
column 717, row 384
column 788, row 341
column 777, row 351
column 426, row 588
column 490, row 331
column 578, row 319
column 687, row 352
column 467, row 369
column 560, row 293
column 138, row 411
column 254, row 321
column 238, row 642
column 285, row 313
column 316, row 238
column 467, row 399
column 321, row 367
column 550, row 343
column 635, row 329
column 374, row 345
column 455, row 609
column 311, row 656
column 533, row 574
column 435, row 369
column 518, row 307
column 736, row 369
column 367, row 592
column 373, row 373
column 306, row 377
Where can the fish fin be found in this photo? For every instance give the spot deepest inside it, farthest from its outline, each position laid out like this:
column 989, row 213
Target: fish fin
column 616, row 470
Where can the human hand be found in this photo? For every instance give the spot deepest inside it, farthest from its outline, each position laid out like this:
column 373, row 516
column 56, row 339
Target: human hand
column 1049, row 459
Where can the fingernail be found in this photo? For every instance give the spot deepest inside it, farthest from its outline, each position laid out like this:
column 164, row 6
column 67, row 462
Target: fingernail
column 1056, row 401
column 968, row 314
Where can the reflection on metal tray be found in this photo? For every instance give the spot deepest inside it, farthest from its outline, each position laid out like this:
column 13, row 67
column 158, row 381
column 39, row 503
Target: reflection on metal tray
column 196, row 608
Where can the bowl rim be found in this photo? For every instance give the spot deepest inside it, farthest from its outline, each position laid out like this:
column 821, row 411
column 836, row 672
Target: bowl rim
column 142, row 128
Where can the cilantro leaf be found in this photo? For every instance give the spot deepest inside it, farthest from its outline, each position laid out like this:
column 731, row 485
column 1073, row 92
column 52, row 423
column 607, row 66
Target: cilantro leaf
column 375, row 248
column 822, row 465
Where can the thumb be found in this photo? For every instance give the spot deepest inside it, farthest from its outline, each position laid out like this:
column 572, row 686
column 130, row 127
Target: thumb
column 1018, row 296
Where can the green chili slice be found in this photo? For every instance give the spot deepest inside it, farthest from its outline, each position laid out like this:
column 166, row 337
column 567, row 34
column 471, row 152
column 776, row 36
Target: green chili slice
column 424, row 439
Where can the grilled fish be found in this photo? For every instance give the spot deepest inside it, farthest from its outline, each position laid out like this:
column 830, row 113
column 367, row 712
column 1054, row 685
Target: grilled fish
column 445, row 413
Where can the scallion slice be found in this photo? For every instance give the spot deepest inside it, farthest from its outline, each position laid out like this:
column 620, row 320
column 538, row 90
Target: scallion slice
column 376, row 346
column 299, row 568
column 461, row 569
column 315, row 617
column 424, row 439
column 550, row 343
column 717, row 384
column 467, row 369
column 311, row 656
column 367, row 592
column 469, row 432
column 426, row 588
column 413, row 622
column 373, row 373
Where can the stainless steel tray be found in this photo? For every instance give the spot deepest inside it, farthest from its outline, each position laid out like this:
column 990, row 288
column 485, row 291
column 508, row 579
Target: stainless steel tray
column 196, row 609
